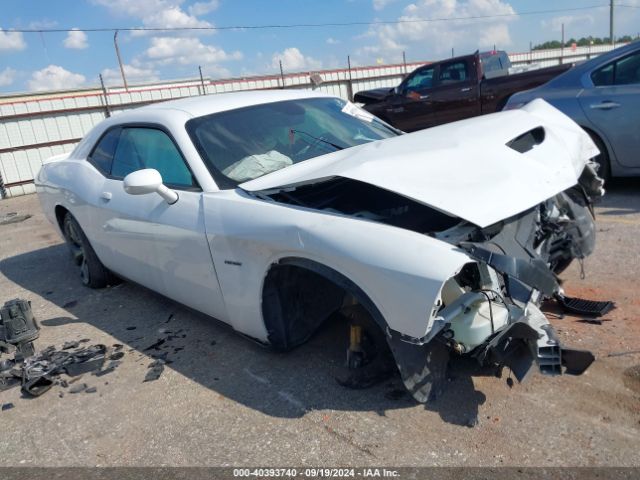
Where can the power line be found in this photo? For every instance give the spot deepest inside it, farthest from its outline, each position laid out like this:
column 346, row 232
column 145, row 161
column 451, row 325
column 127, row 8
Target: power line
column 304, row 25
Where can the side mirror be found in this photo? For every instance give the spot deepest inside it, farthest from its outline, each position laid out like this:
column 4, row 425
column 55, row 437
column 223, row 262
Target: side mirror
column 146, row 181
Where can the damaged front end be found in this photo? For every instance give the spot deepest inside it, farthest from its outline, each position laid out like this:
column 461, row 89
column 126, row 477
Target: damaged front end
column 490, row 309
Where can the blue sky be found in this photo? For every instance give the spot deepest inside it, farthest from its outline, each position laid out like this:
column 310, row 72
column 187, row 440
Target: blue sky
column 41, row 61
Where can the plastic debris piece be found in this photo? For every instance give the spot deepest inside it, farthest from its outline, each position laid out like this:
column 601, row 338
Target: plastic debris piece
column 91, row 390
column 79, row 387
column 156, row 345
column 116, row 356
column 580, row 306
column 70, row 345
column 7, row 406
column 155, row 370
column 37, row 386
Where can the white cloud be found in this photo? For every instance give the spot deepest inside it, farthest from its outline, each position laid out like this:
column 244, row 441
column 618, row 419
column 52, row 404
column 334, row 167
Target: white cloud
column 76, row 40
column 186, row 51
column 173, row 17
column 54, row 77
column 216, row 71
column 202, row 8
column 581, row 23
column 332, row 41
column 381, row 4
column 158, row 13
column 11, row 40
column 293, row 60
column 436, row 38
column 112, row 76
column 138, row 8
column 7, row 76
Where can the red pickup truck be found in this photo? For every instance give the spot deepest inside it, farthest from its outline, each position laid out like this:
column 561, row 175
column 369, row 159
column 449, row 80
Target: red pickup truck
column 452, row 90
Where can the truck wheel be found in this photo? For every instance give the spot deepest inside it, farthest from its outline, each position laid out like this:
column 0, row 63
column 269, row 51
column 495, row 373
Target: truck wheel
column 92, row 272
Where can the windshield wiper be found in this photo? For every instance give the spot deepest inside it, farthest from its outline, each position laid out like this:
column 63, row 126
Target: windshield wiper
column 293, row 131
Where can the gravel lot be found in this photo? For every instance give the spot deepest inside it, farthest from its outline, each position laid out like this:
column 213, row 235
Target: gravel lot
column 227, row 401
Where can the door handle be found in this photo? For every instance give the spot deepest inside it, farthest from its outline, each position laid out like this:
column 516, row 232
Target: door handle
column 606, row 105
column 465, row 89
column 424, row 97
column 106, row 196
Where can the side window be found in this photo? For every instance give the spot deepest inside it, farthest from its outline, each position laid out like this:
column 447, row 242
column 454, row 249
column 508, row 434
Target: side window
column 625, row 71
column 628, row 70
column 102, row 154
column 453, row 73
column 420, row 80
column 140, row 148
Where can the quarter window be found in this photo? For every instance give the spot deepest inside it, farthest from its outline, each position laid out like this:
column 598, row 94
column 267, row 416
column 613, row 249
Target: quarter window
column 102, row 154
column 140, row 148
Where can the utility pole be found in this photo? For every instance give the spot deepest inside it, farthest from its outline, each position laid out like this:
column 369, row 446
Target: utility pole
column 115, row 42
column 204, row 90
column 611, row 23
column 107, row 111
column 562, row 46
column 281, row 73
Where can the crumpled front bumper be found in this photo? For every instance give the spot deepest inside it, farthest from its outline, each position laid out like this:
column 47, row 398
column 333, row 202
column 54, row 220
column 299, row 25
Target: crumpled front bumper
column 532, row 339
column 518, row 346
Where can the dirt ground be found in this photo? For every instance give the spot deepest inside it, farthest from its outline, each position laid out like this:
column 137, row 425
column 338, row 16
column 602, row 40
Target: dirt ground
column 224, row 400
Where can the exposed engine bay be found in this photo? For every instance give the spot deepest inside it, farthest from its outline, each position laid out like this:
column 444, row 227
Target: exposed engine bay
column 490, row 308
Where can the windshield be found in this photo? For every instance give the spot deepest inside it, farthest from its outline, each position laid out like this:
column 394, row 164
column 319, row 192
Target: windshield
column 247, row 143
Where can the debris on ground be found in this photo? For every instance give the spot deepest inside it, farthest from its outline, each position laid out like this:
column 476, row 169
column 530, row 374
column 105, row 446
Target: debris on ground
column 37, row 373
column 7, row 406
column 594, row 321
column 580, row 306
column 78, row 387
column 621, row 354
column 155, row 370
column 13, row 217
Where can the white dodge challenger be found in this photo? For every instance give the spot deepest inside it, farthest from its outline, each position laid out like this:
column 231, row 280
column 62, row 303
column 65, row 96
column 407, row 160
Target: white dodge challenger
column 272, row 211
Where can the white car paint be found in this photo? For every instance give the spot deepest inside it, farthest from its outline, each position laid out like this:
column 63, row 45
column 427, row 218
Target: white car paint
column 212, row 249
column 446, row 166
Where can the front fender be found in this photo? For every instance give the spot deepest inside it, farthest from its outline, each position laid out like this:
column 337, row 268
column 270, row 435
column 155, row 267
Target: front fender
column 402, row 272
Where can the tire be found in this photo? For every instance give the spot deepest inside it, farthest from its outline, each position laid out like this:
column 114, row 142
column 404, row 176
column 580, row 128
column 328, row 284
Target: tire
column 604, row 164
column 92, row 272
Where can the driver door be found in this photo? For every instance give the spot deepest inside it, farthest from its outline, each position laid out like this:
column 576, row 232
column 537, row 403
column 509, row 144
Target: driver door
column 412, row 108
column 144, row 239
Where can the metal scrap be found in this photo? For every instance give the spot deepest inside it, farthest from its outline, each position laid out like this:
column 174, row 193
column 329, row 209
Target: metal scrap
column 13, row 217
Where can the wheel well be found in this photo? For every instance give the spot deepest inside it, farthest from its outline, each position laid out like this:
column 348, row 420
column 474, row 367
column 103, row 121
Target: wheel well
column 60, row 212
column 602, row 146
column 299, row 295
column 597, row 139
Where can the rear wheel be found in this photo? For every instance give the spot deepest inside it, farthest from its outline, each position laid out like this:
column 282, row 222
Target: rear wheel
column 92, row 272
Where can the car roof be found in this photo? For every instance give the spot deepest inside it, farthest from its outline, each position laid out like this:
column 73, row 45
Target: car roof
column 573, row 75
column 208, row 104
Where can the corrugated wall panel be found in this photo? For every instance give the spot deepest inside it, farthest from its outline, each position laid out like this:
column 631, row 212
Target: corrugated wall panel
column 43, row 117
